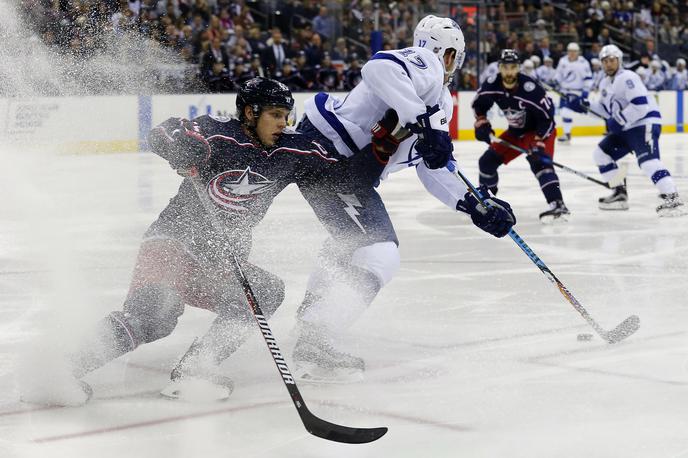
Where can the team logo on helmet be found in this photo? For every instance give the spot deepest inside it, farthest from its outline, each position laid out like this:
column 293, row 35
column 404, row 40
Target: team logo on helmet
column 232, row 188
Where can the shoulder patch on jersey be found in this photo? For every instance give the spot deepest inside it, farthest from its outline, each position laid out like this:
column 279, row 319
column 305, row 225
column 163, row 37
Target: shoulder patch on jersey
column 529, row 86
column 492, row 79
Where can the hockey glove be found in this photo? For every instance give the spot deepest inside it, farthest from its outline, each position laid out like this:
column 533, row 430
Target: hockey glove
column 497, row 218
column 189, row 147
column 538, row 150
column 387, row 134
column 434, row 144
column 579, row 103
column 483, row 129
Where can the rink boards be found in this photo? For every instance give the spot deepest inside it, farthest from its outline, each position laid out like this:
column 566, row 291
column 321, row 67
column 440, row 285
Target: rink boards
column 120, row 123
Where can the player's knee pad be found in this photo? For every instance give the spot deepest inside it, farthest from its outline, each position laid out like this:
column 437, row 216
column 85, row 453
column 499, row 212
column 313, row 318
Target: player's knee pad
column 380, row 259
column 151, row 313
column 268, row 289
column 601, row 158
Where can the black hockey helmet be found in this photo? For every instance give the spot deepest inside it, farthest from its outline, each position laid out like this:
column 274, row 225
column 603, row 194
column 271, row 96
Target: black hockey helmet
column 509, row 56
column 262, row 92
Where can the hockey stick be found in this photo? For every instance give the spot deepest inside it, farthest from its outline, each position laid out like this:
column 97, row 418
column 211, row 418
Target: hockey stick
column 618, row 179
column 623, row 330
column 314, row 425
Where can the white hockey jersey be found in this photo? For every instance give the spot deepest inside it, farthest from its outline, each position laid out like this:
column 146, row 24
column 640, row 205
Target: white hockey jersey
column 597, row 79
column 407, row 80
column 546, row 75
column 574, row 77
column 625, row 98
column 679, row 81
column 491, row 69
column 654, row 80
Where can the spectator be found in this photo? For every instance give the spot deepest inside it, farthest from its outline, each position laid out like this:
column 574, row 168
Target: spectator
column 328, row 76
column 324, row 25
column 215, row 54
column 314, row 51
column 292, row 77
column 217, row 79
column 275, row 52
column 352, row 76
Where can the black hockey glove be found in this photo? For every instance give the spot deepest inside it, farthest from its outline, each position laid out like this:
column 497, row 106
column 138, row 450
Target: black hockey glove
column 497, row 218
column 189, row 147
column 483, row 130
column 434, row 144
column 387, row 134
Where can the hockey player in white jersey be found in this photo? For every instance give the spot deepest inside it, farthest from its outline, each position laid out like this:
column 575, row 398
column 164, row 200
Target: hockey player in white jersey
column 597, row 74
column 633, row 124
column 528, row 68
column 574, row 80
column 655, row 78
column 491, row 69
column 679, row 79
column 546, row 73
column 407, row 88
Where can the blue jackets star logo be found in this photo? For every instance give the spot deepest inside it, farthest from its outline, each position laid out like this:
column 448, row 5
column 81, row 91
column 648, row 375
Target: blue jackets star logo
column 234, row 189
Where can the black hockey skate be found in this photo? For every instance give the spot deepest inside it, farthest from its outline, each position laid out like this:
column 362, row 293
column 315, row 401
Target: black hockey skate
column 557, row 213
column 672, row 205
column 618, row 200
column 317, row 360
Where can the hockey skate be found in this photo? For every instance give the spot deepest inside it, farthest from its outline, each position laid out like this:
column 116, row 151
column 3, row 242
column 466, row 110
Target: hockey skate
column 672, row 205
column 53, row 384
column 316, row 359
column 557, row 213
column 196, row 379
column 565, row 139
column 618, row 200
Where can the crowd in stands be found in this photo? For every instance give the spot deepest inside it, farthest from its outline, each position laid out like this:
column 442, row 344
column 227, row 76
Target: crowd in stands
column 312, row 45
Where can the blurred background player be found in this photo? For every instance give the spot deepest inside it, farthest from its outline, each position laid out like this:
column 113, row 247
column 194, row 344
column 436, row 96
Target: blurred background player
column 528, row 69
column 597, row 74
column 530, row 114
column 407, row 88
column 679, row 79
column 546, row 73
column 574, row 80
column 633, row 124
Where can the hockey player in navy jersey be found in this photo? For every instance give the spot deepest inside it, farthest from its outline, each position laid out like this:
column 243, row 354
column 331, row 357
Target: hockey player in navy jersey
column 633, row 125
column 530, row 114
column 184, row 258
column 574, row 80
column 407, row 88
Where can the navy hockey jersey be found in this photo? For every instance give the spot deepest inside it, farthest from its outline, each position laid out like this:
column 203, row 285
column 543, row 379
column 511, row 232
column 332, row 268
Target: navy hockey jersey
column 527, row 107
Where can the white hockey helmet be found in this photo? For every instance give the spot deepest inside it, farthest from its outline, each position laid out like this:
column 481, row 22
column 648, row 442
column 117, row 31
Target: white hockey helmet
column 595, row 61
column 680, row 61
column 439, row 34
column 611, row 51
column 573, row 46
column 528, row 65
column 536, row 60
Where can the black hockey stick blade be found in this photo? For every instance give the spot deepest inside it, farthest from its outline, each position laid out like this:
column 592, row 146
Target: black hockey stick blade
column 625, row 329
column 338, row 433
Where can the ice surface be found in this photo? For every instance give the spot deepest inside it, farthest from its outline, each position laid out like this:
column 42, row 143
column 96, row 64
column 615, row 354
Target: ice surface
column 470, row 350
